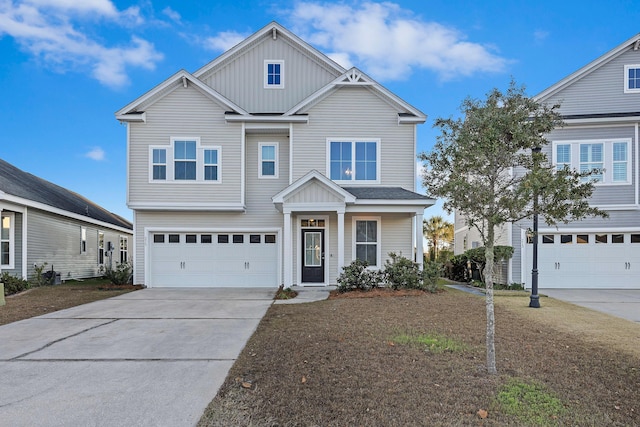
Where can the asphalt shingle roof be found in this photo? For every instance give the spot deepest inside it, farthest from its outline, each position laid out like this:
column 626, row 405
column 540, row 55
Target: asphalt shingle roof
column 22, row 184
column 385, row 193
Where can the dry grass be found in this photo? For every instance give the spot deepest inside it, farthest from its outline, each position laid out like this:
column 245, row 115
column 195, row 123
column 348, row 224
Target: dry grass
column 335, row 363
column 38, row 301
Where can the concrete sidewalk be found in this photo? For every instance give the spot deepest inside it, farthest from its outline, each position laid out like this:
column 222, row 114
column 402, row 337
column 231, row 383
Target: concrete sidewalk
column 624, row 303
column 154, row 357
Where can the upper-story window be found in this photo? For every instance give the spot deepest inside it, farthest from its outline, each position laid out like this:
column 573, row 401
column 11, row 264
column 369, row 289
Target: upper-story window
column 355, row 160
column 268, row 160
column 609, row 157
column 274, row 74
column 184, row 160
column 631, row 78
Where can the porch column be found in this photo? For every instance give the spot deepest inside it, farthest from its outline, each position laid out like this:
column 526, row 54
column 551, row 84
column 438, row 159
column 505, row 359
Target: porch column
column 419, row 239
column 288, row 251
column 340, row 240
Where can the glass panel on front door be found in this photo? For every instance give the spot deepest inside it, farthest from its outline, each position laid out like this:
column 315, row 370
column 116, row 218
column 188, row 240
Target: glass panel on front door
column 313, row 249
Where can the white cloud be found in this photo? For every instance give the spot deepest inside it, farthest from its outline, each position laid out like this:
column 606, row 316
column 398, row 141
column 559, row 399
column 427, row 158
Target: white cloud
column 389, row 42
column 172, row 14
column 96, row 154
column 225, row 40
column 48, row 30
column 540, row 35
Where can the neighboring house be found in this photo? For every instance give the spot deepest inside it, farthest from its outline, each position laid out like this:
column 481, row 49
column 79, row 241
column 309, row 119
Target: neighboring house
column 43, row 222
column 600, row 104
column 270, row 165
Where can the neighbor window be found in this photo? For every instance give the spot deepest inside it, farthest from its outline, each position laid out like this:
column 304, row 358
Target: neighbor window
column 268, row 161
column 631, row 78
column 211, row 165
column 6, row 240
column 100, row 248
column 124, row 249
column 353, row 160
column 83, row 240
column 367, row 241
column 274, row 74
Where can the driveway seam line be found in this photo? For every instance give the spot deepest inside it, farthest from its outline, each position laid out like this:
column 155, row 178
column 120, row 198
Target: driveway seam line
column 62, row 339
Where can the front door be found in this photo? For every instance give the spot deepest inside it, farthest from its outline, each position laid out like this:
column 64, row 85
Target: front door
column 312, row 256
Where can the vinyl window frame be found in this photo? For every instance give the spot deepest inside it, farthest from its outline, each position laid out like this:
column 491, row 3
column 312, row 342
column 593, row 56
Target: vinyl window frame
column 170, row 162
column 124, row 248
column 354, row 161
column 261, row 160
column 10, row 241
column 626, row 78
column 281, row 74
column 101, row 247
column 83, row 239
column 378, row 242
column 608, row 162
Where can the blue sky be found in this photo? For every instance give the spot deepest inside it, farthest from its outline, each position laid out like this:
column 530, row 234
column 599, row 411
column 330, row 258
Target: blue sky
column 68, row 65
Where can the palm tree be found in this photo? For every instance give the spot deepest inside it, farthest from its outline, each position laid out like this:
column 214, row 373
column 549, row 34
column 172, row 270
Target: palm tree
column 437, row 231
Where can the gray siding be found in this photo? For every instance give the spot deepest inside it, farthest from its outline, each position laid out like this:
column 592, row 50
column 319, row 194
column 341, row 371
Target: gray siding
column 602, row 90
column 241, row 79
column 56, row 240
column 605, row 194
column 355, row 112
column 185, row 113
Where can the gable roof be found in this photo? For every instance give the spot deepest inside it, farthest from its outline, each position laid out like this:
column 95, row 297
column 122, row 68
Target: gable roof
column 131, row 111
column 310, row 176
column 277, row 30
column 356, row 77
column 23, row 185
column 633, row 42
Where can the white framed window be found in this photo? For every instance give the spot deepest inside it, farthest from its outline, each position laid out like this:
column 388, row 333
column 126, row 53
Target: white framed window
column 610, row 156
column 632, row 78
column 7, row 241
column 366, row 240
column 353, row 160
column 100, row 248
column 185, row 160
column 83, row 240
column 211, row 164
column 268, row 160
column 273, row 74
column 124, row 249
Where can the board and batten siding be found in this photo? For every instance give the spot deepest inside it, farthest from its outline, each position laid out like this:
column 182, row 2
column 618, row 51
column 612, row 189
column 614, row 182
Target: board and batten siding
column 241, row 79
column 314, row 192
column 600, row 91
column 356, row 112
column 603, row 194
column 56, row 240
column 185, row 112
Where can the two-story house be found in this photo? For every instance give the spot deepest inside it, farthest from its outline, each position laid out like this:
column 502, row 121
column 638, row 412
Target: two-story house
column 600, row 105
column 270, row 165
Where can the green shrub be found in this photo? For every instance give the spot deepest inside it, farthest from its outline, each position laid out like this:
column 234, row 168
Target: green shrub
column 13, row 284
column 402, row 273
column 431, row 272
column 456, row 268
column 122, row 274
column 356, row 276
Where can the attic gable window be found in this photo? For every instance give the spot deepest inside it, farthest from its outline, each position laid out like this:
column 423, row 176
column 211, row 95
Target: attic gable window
column 632, row 78
column 273, row 74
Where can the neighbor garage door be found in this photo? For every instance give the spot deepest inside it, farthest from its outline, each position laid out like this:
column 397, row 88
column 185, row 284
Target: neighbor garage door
column 586, row 260
column 213, row 259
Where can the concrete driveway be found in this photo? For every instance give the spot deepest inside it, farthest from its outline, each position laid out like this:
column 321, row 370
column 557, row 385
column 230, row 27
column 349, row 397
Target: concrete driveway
column 623, row 303
column 154, row 357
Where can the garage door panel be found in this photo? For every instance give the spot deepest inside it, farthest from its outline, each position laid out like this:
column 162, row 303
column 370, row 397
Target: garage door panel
column 224, row 260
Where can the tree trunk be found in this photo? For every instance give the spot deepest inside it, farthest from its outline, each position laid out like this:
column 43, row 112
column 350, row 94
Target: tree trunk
column 488, row 277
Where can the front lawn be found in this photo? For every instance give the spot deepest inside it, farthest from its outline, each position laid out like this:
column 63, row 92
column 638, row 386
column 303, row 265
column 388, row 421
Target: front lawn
column 419, row 360
column 43, row 300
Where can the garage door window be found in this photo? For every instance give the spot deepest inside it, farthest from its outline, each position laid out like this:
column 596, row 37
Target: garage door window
column 635, row 238
column 601, row 238
column 223, row 238
column 547, row 238
column 205, row 238
column 566, row 239
column 238, row 238
column 582, row 238
column 174, row 238
column 255, row 238
column 191, row 238
column 617, row 238
column 269, row 238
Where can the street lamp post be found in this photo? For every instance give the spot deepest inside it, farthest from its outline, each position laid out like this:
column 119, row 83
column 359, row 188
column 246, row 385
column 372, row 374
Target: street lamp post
column 534, row 301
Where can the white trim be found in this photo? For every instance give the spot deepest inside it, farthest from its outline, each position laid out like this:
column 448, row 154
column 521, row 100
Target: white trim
column 134, row 255
column 128, row 154
column 626, row 78
column 24, row 243
column 378, row 219
column 104, row 247
column 327, row 259
column 243, row 167
column 384, row 209
column 404, row 202
column 554, row 230
column 313, row 174
column 276, row 166
column 268, row 62
column 132, row 117
column 353, row 141
column 184, row 206
column 231, row 118
column 510, row 261
column 83, row 239
column 290, row 153
column 155, row 229
column 170, row 162
column 11, row 240
column 122, row 238
column 637, row 167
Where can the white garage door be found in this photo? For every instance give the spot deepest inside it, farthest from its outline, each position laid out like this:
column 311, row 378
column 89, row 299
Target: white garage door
column 586, row 260
column 213, row 259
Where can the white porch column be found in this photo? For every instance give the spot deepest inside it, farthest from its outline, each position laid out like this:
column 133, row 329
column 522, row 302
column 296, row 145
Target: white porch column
column 419, row 239
column 340, row 240
column 288, row 251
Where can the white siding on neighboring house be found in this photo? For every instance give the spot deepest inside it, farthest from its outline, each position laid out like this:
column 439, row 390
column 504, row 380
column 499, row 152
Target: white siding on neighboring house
column 376, row 119
column 185, row 112
column 241, row 78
